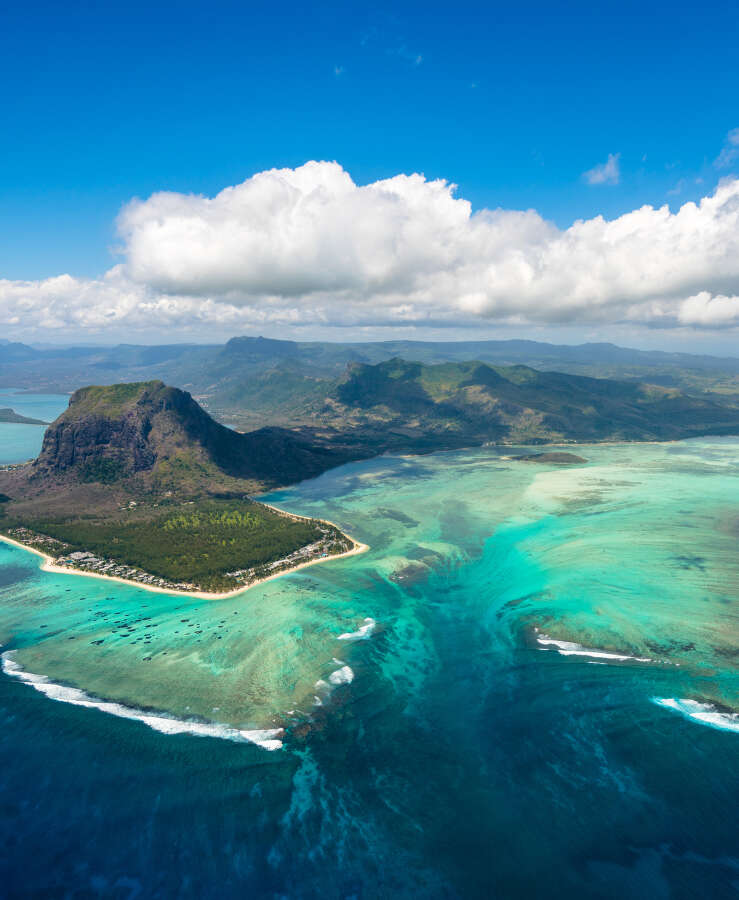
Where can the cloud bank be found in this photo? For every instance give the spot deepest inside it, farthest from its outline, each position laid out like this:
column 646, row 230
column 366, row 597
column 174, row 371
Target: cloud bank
column 309, row 246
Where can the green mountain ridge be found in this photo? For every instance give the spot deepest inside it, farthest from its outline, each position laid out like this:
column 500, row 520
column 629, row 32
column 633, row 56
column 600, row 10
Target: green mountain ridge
column 249, row 376
column 458, row 404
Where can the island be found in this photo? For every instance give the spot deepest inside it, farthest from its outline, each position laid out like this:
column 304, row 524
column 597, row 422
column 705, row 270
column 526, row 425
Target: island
column 137, row 482
column 553, row 457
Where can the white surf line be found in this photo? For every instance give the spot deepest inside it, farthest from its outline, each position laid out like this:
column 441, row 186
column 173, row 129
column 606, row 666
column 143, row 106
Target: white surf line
column 569, row 648
column 267, row 738
column 703, row 713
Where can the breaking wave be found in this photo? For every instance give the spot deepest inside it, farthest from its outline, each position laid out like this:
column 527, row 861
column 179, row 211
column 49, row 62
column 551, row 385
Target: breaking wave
column 704, row 713
column 362, row 633
column 342, row 675
column 268, row 738
column 569, row 648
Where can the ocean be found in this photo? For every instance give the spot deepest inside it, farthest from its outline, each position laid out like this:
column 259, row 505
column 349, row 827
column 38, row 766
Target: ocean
column 21, row 442
column 527, row 687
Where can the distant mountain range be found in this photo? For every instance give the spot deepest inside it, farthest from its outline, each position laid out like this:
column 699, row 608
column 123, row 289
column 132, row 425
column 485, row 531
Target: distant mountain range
column 147, row 437
column 306, row 407
column 255, row 381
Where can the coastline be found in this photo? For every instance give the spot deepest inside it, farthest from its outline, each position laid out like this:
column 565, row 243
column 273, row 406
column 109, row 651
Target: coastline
column 48, row 565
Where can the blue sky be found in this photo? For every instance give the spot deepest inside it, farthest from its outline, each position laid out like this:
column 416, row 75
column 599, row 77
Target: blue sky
column 512, row 102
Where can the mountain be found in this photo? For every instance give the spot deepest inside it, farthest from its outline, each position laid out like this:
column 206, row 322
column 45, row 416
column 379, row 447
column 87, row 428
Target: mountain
column 159, row 436
column 411, row 406
column 137, row 479
column 145, row 442
column 11, row 352
column 252, row 381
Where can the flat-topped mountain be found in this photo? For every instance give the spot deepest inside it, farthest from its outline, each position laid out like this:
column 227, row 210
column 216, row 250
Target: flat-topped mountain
column 161, row 437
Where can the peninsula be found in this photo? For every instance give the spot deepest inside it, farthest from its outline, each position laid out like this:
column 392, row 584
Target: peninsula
column 137, row 482
column 11, row 417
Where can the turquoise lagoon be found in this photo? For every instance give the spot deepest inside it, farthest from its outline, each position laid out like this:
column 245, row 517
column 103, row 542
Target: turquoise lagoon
column 526, row 687
column 21, row 442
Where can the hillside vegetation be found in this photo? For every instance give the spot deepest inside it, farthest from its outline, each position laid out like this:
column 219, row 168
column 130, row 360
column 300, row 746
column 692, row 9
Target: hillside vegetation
column 415, row 407
column 139, row 475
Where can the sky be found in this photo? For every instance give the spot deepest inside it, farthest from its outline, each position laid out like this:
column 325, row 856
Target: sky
column 561, row 171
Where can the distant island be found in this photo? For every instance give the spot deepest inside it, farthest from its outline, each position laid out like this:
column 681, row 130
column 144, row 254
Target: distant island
column 556, row 457
column 136, row 481
column 10, row 416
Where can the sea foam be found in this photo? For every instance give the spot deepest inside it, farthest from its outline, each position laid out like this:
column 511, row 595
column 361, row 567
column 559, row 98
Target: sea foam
column 362, row 633
column 704, row 713
column 569, row 648
column 344, row 675
column 324, row 688
column 267, row 738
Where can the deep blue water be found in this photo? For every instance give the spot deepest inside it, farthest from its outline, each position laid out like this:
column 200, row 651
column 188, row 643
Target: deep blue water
column 561, row 783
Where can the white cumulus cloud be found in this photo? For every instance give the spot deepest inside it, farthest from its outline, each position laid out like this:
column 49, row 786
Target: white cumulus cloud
column 308, row 246
column 703, row 309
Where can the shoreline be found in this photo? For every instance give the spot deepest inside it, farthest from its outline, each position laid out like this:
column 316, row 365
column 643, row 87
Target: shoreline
column 48, row 565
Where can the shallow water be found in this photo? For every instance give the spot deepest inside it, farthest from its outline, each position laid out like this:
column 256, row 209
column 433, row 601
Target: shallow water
column 21, row 442
column 433, row 741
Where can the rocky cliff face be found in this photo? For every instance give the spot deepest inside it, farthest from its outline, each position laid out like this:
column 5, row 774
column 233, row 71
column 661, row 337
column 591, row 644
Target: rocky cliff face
column 97, row 433
column 112, row 433
column 72, row 445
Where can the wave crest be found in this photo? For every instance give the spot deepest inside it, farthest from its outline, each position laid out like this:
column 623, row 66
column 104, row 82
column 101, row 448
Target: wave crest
column 704, row 713
column 267, row 738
